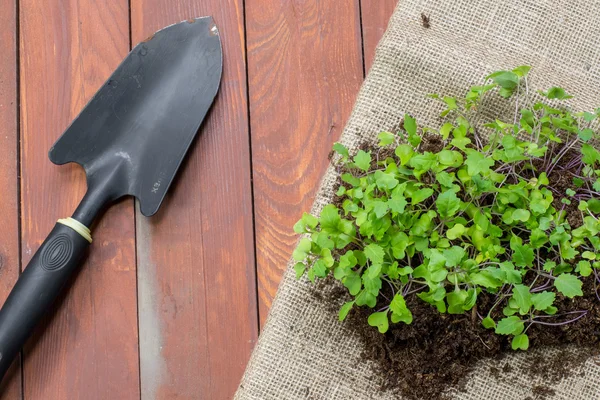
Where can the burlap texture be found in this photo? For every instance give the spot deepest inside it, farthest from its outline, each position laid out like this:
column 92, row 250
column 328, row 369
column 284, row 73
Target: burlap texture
column 303, row 351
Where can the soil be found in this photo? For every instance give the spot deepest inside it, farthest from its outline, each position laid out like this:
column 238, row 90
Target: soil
column 436, row 353
column 432, row 143
column 433, row 356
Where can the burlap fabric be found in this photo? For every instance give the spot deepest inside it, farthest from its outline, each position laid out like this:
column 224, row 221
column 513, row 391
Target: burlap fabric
column 303, row 351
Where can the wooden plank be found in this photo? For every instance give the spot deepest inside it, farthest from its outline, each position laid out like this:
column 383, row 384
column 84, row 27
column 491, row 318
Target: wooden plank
column 87, row 348
column 197, row 295
column 304, row 69
column 375, row 17
column 10, row 388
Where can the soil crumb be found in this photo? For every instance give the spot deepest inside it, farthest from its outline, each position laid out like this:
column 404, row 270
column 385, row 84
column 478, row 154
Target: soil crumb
column 542, row 392
column 425, row 21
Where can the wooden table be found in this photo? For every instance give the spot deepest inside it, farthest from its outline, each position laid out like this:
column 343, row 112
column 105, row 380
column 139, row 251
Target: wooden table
column 170, row 307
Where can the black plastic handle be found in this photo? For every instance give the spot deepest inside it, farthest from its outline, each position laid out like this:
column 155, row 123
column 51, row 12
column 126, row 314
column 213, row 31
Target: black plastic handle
column 37, row 288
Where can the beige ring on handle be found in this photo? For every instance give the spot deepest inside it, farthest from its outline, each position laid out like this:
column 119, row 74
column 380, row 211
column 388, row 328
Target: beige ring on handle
column 77, row 227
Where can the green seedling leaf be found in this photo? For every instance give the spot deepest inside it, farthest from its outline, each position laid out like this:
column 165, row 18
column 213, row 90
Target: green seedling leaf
column 505, row 79
column 374, row 253
column 551, row 310
column 510, row 326
column 379, row 320
column 585, row 134
column 445, row 179
column 421, row 195
column 380, row 208
column 345, row 310
column 404, row 152
column 520, row 215
column 541, row 301
column 477, row 163
column 386, row 138
column 447, row 204
column 520, row 342
column 322, row 240
column 511, row 274
column 569, row 285
column 445, row 130
column 366, row 298
column 481, row 221
column 397, row 203
column 522, row 298
column 353, row 283
column 385, row 181
column 523, row 255
column 584, row 268
column 341, row 150
column 410, row 125
column 306, row 222
column 451, row 105
column 319, row 269
column 423, row 162
column 549, row 266
column 538, row 238
column 486, row 279
column 456, row 301
column 589, row 117
column 590, row 154
column 594, row 205
column 400, row 313
column 299, row 268
column 350, row 179
column 456, row 231
column 522, row 70
column 454, row 256
column 362, row 160
column 461, row 142
column 588, row 255
column 488, row 323
column 567, row 252
column 556, row 93
column 302, row 249
column 330, row 218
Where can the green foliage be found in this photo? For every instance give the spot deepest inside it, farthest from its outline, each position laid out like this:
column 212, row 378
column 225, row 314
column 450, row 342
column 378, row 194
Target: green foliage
column 447, row 225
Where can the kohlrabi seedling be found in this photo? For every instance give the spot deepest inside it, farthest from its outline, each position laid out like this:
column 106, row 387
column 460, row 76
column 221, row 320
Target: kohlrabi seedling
column 468, row 217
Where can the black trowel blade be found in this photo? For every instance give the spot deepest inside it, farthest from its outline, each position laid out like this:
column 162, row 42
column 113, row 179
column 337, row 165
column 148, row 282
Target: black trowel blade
column 133, row 135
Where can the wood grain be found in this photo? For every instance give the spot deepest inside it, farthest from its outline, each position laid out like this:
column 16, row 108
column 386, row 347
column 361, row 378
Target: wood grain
column 375, row 17
column 304, row 69
column 87, row 348
column 197, row 296
column 10, row 388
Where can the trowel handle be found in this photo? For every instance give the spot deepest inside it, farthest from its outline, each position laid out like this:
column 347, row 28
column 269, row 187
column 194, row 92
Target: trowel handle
column 39, row 285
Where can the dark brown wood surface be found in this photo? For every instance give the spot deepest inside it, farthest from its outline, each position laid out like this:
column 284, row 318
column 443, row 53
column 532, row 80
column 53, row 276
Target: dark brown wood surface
column 198, row 315
column 87, row 348
column 375, row 17
column 9, row 197
column 305, row 66
column 304, row 69
column 170, row 307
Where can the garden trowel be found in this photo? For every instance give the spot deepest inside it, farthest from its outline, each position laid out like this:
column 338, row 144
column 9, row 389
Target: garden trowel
column 131, row 139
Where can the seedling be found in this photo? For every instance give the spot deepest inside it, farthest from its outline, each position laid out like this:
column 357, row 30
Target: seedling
column 468, row 217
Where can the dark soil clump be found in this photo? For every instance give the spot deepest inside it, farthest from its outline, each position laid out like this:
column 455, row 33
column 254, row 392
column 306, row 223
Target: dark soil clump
column 436, row 352
column 432, row 143
column 541, row 392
